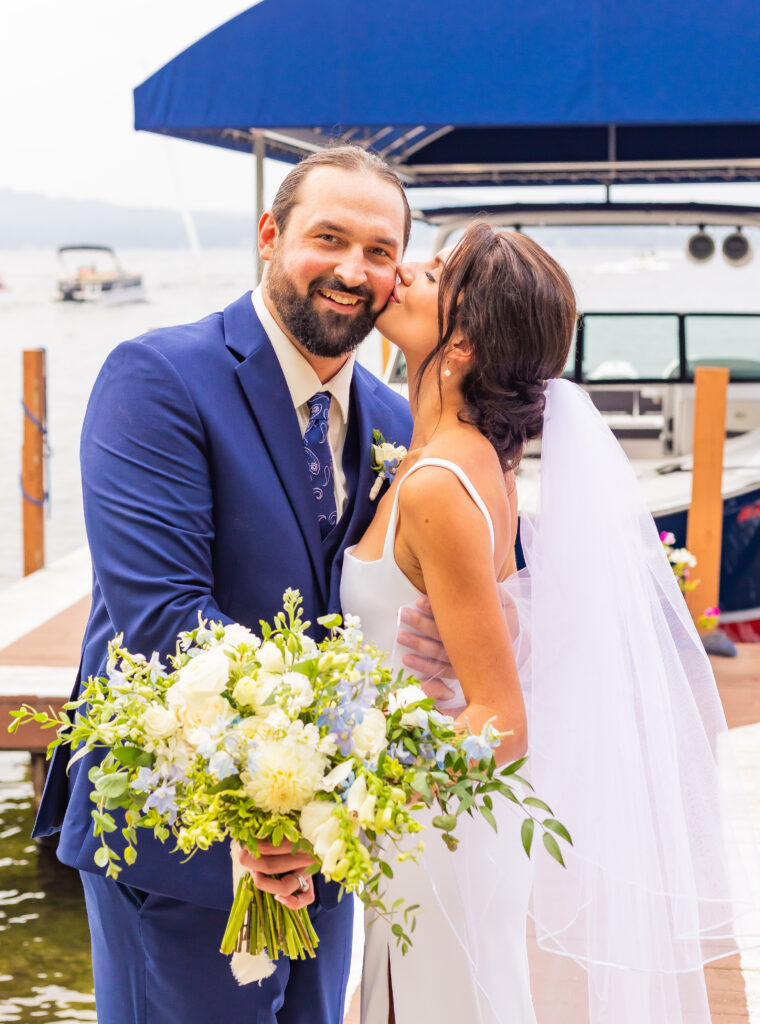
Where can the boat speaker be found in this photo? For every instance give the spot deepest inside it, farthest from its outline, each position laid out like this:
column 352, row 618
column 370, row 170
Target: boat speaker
column 736, row 249
column 700, row 247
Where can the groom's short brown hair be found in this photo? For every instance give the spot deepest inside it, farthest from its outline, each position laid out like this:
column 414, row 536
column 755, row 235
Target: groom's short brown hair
column 348, row 158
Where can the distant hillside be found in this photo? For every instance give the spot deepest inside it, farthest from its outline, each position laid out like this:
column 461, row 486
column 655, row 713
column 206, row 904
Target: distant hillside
column 34, row 220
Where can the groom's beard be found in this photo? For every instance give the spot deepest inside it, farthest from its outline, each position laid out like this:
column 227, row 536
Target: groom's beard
column 321, row 332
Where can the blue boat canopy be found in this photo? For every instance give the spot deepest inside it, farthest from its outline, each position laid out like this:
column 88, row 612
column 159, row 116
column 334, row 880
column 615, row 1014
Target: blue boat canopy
column 491, row 92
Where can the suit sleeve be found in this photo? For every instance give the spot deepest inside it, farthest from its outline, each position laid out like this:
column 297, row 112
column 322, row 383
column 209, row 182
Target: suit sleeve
column 148, row 499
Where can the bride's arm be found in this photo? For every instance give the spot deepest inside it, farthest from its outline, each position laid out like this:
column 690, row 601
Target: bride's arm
column 444, row 535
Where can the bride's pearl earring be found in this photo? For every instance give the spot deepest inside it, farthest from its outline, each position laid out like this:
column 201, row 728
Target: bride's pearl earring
column 447, row 371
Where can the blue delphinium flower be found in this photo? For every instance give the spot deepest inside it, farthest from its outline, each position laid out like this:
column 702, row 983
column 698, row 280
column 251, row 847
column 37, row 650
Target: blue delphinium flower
column 162, row 799
column 340, row 727
column 400, row 754
column 389, row 468
column 145, row 780
column 441, row 751
column 477, row 748
column 221, row 765
column 366, row 664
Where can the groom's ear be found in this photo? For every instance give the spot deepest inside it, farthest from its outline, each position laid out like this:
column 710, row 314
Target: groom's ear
column 268, row 235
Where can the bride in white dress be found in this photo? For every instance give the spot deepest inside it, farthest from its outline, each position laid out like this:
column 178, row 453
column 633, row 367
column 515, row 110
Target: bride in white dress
column 447, row 528
column 626, row 742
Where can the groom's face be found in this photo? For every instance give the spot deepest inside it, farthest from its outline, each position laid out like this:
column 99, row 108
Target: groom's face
column 332, row 269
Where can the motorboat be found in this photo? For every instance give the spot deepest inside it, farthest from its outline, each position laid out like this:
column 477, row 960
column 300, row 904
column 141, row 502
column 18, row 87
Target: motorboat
column 92, row 273
column 638, row 367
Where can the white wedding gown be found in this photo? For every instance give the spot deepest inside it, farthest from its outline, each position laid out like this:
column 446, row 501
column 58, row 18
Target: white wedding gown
column 438, row 979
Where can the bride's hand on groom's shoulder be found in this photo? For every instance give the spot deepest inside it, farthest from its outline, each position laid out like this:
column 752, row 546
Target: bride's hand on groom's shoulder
column 278, row 870
column 427, row 656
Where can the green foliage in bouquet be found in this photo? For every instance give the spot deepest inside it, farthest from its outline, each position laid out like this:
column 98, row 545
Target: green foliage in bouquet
column 278, row 738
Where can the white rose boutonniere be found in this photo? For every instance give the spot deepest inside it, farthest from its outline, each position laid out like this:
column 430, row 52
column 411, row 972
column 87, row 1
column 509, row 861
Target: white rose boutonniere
column 386, row 458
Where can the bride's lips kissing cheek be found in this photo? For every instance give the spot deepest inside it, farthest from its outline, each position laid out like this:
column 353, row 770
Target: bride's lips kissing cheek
column 410, row 319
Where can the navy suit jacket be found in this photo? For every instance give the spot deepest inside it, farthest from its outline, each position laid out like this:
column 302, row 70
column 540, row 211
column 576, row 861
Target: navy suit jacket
column 197, row 498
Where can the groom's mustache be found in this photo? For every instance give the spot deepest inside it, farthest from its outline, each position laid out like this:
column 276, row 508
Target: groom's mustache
column 334, row 285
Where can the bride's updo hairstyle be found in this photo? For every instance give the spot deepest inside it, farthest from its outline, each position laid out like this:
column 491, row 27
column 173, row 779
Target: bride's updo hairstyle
column 516, row 307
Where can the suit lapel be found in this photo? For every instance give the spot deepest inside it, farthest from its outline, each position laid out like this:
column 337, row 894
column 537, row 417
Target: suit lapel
column 266, row 391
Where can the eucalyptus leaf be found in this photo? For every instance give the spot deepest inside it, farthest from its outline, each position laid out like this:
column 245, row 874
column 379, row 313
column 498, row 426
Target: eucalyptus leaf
column 112, row 786
column 533, row 801
column 101, row 856
column 552, row 847
column 526, row 834
column 559, row 828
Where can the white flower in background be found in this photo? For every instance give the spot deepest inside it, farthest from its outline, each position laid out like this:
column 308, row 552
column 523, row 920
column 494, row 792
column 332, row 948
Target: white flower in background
column 196, row 720
column 319, row 825
column 177, row 751
column 303, row 732
column 236, row 634
column 308, row 645
column 286, row 776
column 355, row 794
column 360, row 804
column 255, row 691
column 334, row 778
column 203, row 677
column 159, row 722
column 682, row 556
column 301, row 693
column 369, row 735
column 403, row 698
column 270, row 657
column 332, row 856
column 386, row 451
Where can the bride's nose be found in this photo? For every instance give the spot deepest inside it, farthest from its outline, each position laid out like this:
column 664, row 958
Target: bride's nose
column 406, row 274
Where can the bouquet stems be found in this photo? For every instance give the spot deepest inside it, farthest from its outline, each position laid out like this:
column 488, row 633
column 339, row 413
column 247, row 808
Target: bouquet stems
column 258, row 923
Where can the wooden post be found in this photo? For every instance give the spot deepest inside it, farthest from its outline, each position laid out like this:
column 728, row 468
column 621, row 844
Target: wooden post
column 33, row 466
column 705, row 526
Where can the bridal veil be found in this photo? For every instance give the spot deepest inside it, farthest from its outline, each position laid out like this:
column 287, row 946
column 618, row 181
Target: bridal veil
column 627, row 742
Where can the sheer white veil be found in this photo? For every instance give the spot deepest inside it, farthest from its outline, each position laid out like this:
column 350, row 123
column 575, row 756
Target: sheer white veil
column 628, row 744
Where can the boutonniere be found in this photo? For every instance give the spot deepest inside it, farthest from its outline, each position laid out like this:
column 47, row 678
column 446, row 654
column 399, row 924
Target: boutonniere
column 386, row 458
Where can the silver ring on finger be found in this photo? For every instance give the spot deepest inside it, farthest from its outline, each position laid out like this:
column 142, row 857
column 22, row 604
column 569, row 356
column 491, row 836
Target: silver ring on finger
column 303, row 884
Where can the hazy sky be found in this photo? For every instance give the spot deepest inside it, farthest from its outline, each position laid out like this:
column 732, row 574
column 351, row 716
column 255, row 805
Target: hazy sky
column 67, row 70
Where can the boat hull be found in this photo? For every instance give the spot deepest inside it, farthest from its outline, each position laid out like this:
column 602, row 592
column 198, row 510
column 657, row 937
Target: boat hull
column 739, row 599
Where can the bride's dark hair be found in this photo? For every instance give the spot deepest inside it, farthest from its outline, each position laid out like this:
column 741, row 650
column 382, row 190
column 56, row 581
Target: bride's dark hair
column 516, row 307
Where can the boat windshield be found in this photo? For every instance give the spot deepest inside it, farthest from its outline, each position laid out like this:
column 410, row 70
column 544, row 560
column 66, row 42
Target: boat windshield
column 623, row 347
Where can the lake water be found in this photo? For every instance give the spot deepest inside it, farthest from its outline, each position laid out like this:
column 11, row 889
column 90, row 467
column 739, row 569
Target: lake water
column 44, row 946
column 78, row 337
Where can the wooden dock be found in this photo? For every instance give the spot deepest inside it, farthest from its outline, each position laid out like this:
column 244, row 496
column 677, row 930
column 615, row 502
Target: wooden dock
column 42, row 620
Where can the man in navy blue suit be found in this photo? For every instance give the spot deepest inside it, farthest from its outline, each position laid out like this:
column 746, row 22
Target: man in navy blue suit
column 222, row 462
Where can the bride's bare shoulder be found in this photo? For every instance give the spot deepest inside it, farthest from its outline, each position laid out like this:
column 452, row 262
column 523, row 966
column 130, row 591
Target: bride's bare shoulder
column 437, row 489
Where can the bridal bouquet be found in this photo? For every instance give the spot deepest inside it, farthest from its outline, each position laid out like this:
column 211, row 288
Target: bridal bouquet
column 276, row 737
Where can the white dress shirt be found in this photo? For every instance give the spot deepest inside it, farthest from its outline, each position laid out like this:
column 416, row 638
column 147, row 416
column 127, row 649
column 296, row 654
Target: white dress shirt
column 303, row 382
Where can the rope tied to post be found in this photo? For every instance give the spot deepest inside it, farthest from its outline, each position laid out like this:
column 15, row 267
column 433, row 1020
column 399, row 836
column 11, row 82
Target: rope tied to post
column 46, row 453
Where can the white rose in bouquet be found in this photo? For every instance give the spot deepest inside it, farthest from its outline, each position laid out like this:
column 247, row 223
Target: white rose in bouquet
column 198, row 719
column 270, row 657
column 201, row 679
column 159, row 723
column 235, row 634
column 368, row 736
column 301, row 692
column 402, row 699
column 254, row 691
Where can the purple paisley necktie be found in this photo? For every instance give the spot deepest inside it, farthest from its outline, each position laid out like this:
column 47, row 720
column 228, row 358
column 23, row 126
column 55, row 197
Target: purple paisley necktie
column 319, row 461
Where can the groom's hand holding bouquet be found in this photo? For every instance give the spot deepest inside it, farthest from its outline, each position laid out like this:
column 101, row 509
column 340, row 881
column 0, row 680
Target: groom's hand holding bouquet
column 310, row 757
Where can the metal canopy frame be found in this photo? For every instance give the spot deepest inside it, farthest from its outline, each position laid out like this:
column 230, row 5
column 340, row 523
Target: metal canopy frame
column 519, row 215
